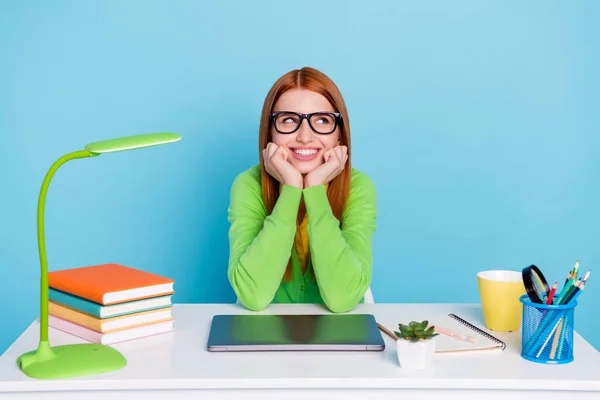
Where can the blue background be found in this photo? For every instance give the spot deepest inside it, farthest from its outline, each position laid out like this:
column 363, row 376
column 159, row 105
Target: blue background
column 477, row 120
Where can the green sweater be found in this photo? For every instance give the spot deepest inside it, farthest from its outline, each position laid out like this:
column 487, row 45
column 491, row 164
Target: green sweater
column 261, row 244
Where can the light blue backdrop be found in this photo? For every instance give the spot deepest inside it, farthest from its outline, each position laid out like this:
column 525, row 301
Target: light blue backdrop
column 477, row 120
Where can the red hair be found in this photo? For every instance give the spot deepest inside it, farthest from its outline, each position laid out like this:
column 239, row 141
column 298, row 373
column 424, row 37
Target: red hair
column 313, row 80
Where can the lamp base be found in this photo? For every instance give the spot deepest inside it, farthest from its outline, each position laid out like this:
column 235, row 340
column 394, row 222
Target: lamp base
column 70, row 361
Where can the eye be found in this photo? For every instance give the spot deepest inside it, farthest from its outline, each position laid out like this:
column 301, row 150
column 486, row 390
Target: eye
column 322, row 119
column 287, row 119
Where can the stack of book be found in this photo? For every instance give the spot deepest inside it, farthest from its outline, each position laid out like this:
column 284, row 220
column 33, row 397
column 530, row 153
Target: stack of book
column 109, row 303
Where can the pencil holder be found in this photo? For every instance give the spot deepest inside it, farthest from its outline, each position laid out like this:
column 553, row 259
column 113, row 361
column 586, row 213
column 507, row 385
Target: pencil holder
column 547, row 332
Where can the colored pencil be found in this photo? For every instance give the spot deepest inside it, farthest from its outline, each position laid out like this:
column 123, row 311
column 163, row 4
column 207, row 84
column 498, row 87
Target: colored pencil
column 561, row 340
column 556, row 338
column 547, row 339
column 551, row 294
column 569, row 295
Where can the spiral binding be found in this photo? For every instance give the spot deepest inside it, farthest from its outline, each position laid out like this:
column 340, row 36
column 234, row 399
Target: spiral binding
column 476, row 329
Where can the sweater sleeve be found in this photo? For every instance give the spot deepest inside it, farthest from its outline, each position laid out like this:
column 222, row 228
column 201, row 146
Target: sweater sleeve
column 259, row 245
column 342, row 257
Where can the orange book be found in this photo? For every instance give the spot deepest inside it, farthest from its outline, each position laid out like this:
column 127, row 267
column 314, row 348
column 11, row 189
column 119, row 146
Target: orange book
column 110, row 283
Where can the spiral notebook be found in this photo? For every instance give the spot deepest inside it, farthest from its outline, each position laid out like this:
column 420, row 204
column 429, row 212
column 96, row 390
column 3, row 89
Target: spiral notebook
column 447, row 344
column 471, row 337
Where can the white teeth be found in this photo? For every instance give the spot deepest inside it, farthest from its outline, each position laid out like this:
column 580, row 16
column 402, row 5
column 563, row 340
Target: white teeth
column 303, row 152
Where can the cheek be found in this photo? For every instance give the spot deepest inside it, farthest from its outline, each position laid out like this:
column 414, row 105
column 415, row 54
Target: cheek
column 279, row 139
column 330, row 141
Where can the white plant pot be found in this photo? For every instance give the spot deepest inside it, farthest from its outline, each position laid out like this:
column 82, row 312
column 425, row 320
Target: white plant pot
column 415, row 355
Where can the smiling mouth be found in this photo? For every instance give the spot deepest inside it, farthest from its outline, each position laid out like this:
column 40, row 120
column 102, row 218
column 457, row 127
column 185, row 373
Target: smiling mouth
column 305, row 152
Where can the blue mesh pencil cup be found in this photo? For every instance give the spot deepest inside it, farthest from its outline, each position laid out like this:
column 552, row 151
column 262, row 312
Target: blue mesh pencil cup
column 547, row 332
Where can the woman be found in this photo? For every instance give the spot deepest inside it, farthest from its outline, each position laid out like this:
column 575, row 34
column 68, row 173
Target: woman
column 302, row 221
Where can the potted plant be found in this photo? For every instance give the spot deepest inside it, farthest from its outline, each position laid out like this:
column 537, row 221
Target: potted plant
column 415, row 345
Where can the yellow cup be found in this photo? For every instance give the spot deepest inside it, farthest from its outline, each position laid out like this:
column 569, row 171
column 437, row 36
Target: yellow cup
column 499, row 292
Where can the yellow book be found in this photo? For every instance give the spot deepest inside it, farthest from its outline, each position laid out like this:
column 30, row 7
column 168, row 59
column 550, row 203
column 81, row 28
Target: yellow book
column 109, row 324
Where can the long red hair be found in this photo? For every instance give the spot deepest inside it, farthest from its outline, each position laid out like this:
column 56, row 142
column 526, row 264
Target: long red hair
column 314, row 80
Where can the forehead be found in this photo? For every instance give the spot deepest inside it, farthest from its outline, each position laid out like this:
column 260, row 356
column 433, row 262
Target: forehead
column 302, row 101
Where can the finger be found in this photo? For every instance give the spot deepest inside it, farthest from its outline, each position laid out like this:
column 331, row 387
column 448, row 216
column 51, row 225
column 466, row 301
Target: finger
column 340, row 158
column 327, row 155
column 272, row 148
column 345, row 153
column 337, row 152
column 284, row 152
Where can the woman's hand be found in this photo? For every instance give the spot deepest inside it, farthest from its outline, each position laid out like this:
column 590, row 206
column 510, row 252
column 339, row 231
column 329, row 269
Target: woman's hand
column 277, row 165
column 334, row 163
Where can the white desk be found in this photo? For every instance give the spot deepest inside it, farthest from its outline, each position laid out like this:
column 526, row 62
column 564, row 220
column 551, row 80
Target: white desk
column 177, row 366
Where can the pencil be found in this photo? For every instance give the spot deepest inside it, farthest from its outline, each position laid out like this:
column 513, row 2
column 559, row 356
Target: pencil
column 557, row 335
column 576, row 269
column 387, row 331
column 551, row 294
column 565, row 289
column 547, row 340
column 455, row 335
column 575, row 295
column 586, row 276
column 574, row 289
column 562, row 339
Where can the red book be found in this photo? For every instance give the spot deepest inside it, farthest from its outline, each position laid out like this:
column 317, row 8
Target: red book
column 110, row 283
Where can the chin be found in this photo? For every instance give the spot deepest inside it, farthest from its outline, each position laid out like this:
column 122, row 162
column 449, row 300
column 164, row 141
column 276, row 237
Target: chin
column 305, row 169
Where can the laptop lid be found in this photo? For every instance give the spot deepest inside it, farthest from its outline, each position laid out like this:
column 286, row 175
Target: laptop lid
column 263, row 332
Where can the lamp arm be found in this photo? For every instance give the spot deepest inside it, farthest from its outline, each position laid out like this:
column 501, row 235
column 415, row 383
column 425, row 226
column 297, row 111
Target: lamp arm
column 41, row 240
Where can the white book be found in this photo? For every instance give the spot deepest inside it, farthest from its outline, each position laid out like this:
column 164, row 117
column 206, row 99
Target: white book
column 110, row 337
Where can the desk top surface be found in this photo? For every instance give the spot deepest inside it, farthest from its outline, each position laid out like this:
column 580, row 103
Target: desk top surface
column 179, row 359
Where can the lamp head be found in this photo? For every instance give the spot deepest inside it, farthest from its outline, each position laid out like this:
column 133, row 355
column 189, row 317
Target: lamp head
column 132, row 142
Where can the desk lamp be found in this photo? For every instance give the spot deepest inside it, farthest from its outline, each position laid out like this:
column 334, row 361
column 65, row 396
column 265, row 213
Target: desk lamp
column 74, row 360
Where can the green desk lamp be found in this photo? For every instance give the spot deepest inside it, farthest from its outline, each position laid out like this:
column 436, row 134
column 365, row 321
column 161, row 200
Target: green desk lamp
column 76, row 360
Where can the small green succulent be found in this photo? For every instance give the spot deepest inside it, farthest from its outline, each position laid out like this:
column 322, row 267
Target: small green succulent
column 416, row 331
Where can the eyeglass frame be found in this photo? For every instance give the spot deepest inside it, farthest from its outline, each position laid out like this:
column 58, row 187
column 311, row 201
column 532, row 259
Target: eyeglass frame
column 337, row 118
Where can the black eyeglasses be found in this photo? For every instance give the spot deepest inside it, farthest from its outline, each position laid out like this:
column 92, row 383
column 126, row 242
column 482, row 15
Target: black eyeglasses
column 323, row 122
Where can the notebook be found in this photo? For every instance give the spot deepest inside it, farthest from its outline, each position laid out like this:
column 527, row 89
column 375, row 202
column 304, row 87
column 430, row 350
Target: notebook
column 445, row 344
column 108, row 284
column 108, row 338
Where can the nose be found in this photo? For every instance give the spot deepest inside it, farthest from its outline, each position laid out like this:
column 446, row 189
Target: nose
column 304, row 133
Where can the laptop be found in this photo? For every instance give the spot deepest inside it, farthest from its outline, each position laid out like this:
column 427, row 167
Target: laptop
column 318, row 332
